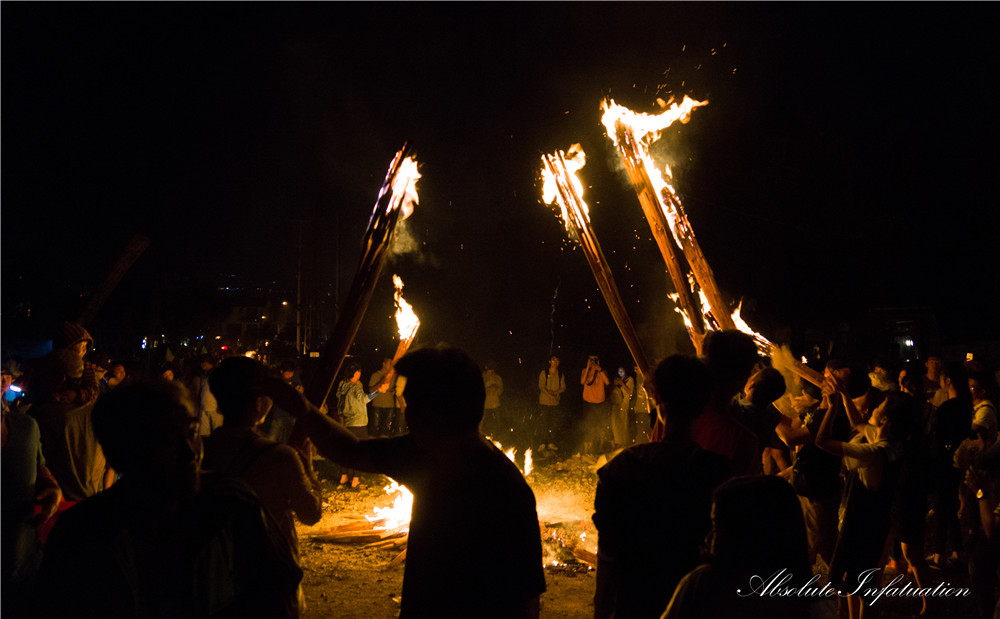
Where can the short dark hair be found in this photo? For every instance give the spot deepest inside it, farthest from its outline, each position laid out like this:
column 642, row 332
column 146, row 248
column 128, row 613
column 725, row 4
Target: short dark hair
column 129, row 417
column 902, row 412
column 350, row 368
column 684, row 385
column 730, row 354
column 235, row 382
column 748, row 510
column 959, row 375
column 769, row 387
column 446, row 383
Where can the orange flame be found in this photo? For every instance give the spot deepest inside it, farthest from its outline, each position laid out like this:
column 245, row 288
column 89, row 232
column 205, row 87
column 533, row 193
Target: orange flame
column 404, row 188
column 575, row 159
column 644, row 125
column 406, row 320
column 763, row 344
column 398, row 514
column 512, row 456
column 646, row 129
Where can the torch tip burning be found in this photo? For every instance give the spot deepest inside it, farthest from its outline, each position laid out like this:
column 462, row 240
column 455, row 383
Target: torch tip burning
column 642, row 124
column 406, row 319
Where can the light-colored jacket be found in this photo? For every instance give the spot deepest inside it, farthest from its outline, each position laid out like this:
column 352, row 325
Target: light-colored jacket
column 550, row 387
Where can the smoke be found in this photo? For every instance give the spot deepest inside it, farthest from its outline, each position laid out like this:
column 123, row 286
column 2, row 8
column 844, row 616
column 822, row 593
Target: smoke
column 405, row 243
column 662, row 331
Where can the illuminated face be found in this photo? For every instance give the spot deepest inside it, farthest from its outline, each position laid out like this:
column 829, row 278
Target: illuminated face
column 878, row 416
column 933, row 366
column 6, row 380
column 80, row 348
column 553, row 362
column 621, row 373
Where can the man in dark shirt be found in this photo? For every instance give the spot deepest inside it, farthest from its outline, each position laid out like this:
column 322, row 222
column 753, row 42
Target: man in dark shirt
column 463, row 487
column 652, row 503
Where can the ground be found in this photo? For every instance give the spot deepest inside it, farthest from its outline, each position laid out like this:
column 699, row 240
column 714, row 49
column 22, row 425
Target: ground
column 347, row 581
column 353, row 581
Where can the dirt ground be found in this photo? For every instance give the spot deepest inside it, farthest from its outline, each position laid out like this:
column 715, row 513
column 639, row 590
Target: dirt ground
column 347, row 581
column 351, row 581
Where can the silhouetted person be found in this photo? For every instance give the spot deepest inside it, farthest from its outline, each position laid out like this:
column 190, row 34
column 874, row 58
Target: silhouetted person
column 731, row 356
column 652, row 501
column 871, row 459
column 64, row 415
column 281, row 476
column 156, row 544
column 758, row 531
column 462, row 486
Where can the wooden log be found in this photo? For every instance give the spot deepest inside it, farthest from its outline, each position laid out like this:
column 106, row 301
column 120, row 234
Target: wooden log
column 397, row 560
column 396, row 541
column 585, row 556
column 349, row 537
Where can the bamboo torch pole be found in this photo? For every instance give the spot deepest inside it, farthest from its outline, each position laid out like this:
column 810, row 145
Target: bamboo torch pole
column 375, row 247
column 664, row 211
column 659, row 226
column 656, row 210
column 575, row 208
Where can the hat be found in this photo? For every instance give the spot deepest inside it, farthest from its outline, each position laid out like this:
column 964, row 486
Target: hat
column 70, row 333
column 11, row 368
column 64, row 363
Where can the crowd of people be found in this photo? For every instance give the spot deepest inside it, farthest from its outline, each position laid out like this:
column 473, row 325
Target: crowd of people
column 176, row 494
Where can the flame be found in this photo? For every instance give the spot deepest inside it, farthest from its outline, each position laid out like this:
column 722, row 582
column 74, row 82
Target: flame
column 763, row 344
column 398, row 514
column 575, row 159
column 406, row 319
column 646, row 129
column 644, row 125
column 404, row 187
column 512, row 456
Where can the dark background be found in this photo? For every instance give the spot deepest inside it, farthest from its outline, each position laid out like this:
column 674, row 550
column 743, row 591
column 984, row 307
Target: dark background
column 847, row 160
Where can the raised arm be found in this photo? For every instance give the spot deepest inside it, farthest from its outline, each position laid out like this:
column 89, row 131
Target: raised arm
column 332, row 440
column 823, row 435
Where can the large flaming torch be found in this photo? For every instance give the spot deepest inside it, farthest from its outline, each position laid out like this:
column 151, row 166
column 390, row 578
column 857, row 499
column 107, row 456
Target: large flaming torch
column 633, row 134
column 395, row 201
column 564, row 187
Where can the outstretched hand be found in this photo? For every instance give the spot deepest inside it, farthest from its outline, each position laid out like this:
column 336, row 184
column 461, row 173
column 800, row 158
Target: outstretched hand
column 285, row 396
column 48, row 499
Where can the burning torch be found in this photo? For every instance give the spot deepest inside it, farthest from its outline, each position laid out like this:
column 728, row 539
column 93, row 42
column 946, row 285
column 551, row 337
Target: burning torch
column 563, row 187
column 395, row 201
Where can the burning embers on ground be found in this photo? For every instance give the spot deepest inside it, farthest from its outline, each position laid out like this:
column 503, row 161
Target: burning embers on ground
column 564, row 494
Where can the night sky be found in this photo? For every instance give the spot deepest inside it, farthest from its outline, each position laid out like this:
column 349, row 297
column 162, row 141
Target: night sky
column 847, row 160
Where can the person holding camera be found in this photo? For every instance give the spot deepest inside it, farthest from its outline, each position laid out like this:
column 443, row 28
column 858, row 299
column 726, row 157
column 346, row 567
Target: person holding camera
column 595, row 410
